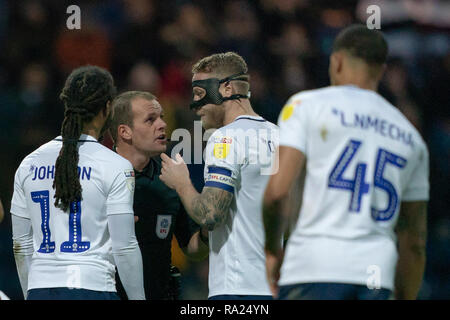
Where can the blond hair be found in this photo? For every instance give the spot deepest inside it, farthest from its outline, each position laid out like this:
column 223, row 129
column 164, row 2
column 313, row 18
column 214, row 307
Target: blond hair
column 223, row 65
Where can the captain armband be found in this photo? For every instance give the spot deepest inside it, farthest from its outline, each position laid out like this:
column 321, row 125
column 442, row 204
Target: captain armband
column 221, row 178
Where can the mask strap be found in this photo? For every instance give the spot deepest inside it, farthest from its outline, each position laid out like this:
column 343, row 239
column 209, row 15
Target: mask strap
column 201, row 102
column 235, row 96
column 232, row 77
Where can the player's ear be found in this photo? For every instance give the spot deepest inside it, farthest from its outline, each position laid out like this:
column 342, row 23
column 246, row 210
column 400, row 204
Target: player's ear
column 227, row 89
column 124, row 132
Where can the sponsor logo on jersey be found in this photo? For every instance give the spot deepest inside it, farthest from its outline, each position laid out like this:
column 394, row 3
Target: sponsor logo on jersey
column 226, row 140
column 163, row 223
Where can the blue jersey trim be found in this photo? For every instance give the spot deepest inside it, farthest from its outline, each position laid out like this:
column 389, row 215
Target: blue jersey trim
column 247, row 118
column 219, row 170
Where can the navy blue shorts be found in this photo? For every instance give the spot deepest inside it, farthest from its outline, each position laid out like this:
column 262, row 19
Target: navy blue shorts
column 69, row 294
column 331, row 291
column 239, row 297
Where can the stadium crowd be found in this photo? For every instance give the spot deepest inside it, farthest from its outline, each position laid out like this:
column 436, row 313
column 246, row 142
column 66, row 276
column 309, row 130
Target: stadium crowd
column 150, row 45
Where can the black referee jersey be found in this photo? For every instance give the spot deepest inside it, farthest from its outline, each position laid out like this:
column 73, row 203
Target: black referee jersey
column 161, row 215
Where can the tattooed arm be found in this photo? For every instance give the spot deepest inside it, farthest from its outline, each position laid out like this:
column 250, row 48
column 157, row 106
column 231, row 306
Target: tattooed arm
column 411, row 232
column 208, row 208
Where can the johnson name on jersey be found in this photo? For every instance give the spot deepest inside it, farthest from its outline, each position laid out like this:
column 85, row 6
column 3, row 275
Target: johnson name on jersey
column 73, row 249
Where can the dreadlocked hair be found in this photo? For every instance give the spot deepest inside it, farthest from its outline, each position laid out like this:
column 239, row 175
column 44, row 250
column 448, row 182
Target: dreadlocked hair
column 86, row 92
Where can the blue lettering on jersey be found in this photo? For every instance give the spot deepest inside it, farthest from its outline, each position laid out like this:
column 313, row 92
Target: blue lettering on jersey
column 48, row 172
column 86, row 174
column 380, row 126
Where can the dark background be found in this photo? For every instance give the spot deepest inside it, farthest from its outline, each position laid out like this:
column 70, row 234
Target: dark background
column 151, row 45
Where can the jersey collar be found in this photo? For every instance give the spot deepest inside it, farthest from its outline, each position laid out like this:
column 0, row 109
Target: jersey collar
column 87, row 137
column 150, row 170
column 249, row 117
column 83, row 138
column 351, row 86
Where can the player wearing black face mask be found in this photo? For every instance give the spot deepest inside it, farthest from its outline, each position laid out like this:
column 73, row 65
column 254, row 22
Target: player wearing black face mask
column 230, row 202
column 211, row 91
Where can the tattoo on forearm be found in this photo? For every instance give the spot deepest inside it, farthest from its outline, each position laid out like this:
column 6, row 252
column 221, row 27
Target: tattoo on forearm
column 210, row 208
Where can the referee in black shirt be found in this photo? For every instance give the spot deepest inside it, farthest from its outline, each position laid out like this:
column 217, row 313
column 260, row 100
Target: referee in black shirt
column 138, row 131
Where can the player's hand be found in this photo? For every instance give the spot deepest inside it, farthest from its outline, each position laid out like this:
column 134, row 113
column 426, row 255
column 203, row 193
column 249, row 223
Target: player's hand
column 273, row 266
column 174, row 173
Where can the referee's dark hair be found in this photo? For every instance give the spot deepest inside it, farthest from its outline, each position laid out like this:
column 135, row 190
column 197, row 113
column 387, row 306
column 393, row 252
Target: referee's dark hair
column 363, row 43
column 86, row 93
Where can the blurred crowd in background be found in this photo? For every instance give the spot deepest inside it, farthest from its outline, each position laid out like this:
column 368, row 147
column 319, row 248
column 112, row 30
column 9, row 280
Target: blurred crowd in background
column 151, row 45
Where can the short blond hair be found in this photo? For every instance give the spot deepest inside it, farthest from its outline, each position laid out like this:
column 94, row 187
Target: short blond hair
column 223, row 65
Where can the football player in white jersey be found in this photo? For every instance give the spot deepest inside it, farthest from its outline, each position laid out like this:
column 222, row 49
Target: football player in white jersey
column 67, row 248
column 238, row 159
column 361, row 230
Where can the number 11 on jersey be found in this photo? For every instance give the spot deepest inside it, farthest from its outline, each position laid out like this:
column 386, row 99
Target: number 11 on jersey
column 42, row 197
column 74, row 245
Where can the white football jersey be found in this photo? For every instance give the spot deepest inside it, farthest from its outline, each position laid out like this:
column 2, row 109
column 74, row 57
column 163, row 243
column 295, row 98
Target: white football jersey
column 239, row 158
column 363, row 158
column 73, row 249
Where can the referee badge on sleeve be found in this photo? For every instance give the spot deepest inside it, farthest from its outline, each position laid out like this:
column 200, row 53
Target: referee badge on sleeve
column 163, row 223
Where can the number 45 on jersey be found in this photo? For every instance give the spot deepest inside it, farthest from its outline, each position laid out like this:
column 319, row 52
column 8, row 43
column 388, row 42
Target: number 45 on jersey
column 358, row 187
